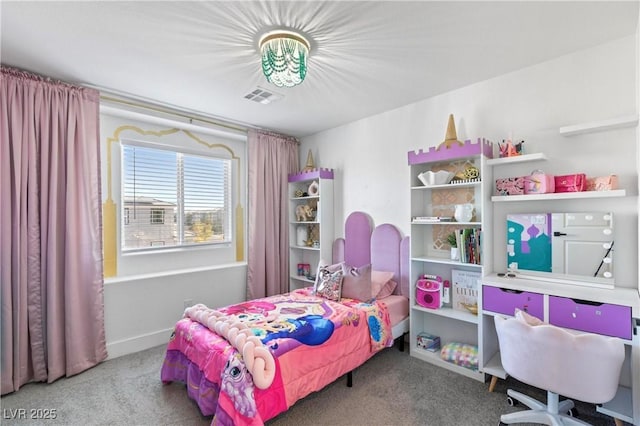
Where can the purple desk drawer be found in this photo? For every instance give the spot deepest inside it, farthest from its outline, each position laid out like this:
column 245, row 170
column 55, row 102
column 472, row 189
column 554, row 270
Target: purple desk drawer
column 505, row 301
column 593, row 317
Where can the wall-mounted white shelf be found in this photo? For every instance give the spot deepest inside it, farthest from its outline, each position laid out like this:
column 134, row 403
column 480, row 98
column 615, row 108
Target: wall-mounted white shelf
column 559, row 196
column 599, row 126
column 538, row 156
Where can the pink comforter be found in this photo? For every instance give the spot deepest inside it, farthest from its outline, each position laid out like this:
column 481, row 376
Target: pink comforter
column 313, row 341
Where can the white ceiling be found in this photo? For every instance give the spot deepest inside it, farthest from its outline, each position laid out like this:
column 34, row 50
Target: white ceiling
column 366, row 57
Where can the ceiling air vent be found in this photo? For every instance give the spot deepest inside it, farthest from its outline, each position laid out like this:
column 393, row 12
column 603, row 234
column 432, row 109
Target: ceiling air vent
column 263, row 96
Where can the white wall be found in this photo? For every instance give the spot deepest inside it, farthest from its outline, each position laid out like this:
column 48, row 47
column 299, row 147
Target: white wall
column 140, row 311
column 370, row 156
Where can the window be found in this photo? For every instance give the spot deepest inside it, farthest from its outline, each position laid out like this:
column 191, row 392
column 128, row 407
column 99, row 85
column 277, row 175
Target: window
column 157, row 216
column 172, row 198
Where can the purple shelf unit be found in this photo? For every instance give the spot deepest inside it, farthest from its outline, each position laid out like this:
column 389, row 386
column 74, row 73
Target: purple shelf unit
column 483, row 146
column 312, row 174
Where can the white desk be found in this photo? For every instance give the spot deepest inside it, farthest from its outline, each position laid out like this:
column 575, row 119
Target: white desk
column 621, row 302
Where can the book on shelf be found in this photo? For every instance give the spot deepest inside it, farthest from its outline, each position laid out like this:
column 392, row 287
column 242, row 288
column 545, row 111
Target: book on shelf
column 469, row 241
column 431, row 219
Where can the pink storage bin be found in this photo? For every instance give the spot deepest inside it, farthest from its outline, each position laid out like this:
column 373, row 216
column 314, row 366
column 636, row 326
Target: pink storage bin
column 571, row 183
column 510, row 186
column 539, row 183
column 602, row 183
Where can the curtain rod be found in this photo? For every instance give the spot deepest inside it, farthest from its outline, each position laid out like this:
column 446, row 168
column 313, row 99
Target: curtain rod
column 117, row 97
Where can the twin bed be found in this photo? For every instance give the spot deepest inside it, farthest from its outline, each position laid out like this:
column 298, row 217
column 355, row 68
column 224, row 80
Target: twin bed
column 249, row 362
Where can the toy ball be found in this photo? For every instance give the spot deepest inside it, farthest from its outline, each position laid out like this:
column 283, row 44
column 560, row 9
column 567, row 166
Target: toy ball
column 471, row 173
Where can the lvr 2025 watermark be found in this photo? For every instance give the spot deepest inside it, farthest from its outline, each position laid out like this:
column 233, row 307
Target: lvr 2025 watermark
column 29, row 413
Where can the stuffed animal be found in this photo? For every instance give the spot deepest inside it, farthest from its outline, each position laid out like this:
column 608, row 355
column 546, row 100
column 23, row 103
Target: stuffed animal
column 303, row 213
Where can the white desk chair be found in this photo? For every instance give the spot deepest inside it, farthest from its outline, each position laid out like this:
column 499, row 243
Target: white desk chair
column 585, row 367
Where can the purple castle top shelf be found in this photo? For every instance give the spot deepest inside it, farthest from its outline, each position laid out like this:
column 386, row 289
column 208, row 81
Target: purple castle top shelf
column 312, row 174
column 483, row 146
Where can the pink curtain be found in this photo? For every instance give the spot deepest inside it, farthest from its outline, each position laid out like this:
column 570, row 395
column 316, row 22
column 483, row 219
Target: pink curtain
column 50, row 230
column 271, row 158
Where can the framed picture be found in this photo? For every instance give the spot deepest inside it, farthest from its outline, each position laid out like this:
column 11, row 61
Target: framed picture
column 464, row 286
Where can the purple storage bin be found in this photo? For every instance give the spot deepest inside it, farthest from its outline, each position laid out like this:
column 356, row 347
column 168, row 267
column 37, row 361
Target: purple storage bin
column 593, row 317
column 505, row 301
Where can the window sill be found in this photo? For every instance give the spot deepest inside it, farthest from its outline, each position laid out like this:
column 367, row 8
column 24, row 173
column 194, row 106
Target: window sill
column 127, row 278
column 175, row 249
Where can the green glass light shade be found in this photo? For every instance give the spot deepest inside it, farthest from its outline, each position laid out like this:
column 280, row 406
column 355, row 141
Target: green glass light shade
column 284, row 57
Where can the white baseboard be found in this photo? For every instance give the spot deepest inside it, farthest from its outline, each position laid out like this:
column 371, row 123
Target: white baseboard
column 138, row 343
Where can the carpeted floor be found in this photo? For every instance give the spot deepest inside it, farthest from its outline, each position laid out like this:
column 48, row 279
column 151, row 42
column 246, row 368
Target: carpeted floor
column 392, row 388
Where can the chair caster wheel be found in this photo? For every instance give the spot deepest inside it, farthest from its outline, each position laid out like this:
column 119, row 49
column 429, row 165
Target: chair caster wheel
column 573, row 412
column 511, row 402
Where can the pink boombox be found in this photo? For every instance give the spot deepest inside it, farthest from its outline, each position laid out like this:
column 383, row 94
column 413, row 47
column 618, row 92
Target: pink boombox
column 429, row 291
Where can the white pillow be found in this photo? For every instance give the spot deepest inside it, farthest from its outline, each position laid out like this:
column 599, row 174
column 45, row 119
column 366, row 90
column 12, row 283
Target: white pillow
column 527, row 318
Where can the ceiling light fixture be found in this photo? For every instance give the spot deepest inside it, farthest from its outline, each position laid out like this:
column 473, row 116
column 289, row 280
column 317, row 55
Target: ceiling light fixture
column 284, row 57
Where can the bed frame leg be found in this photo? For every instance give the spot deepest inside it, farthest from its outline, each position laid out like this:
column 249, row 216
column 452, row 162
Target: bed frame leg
column 350, row 379
column 400, row 342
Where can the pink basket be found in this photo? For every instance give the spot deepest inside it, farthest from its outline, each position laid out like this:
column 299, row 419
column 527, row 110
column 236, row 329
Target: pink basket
column 510, row 186
column 571, row 183
column 539, row 183
column 602, row 183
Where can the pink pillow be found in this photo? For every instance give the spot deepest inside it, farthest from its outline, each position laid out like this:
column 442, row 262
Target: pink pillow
column 387, row 289
column 382, row 284
column 356, row 283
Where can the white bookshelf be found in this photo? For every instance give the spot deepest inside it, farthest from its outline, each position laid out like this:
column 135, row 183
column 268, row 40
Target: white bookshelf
column 431, row 254
column 323, row 220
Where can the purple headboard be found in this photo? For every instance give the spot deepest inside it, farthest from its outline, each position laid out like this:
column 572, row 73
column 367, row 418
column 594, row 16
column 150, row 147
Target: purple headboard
column 383, row 247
